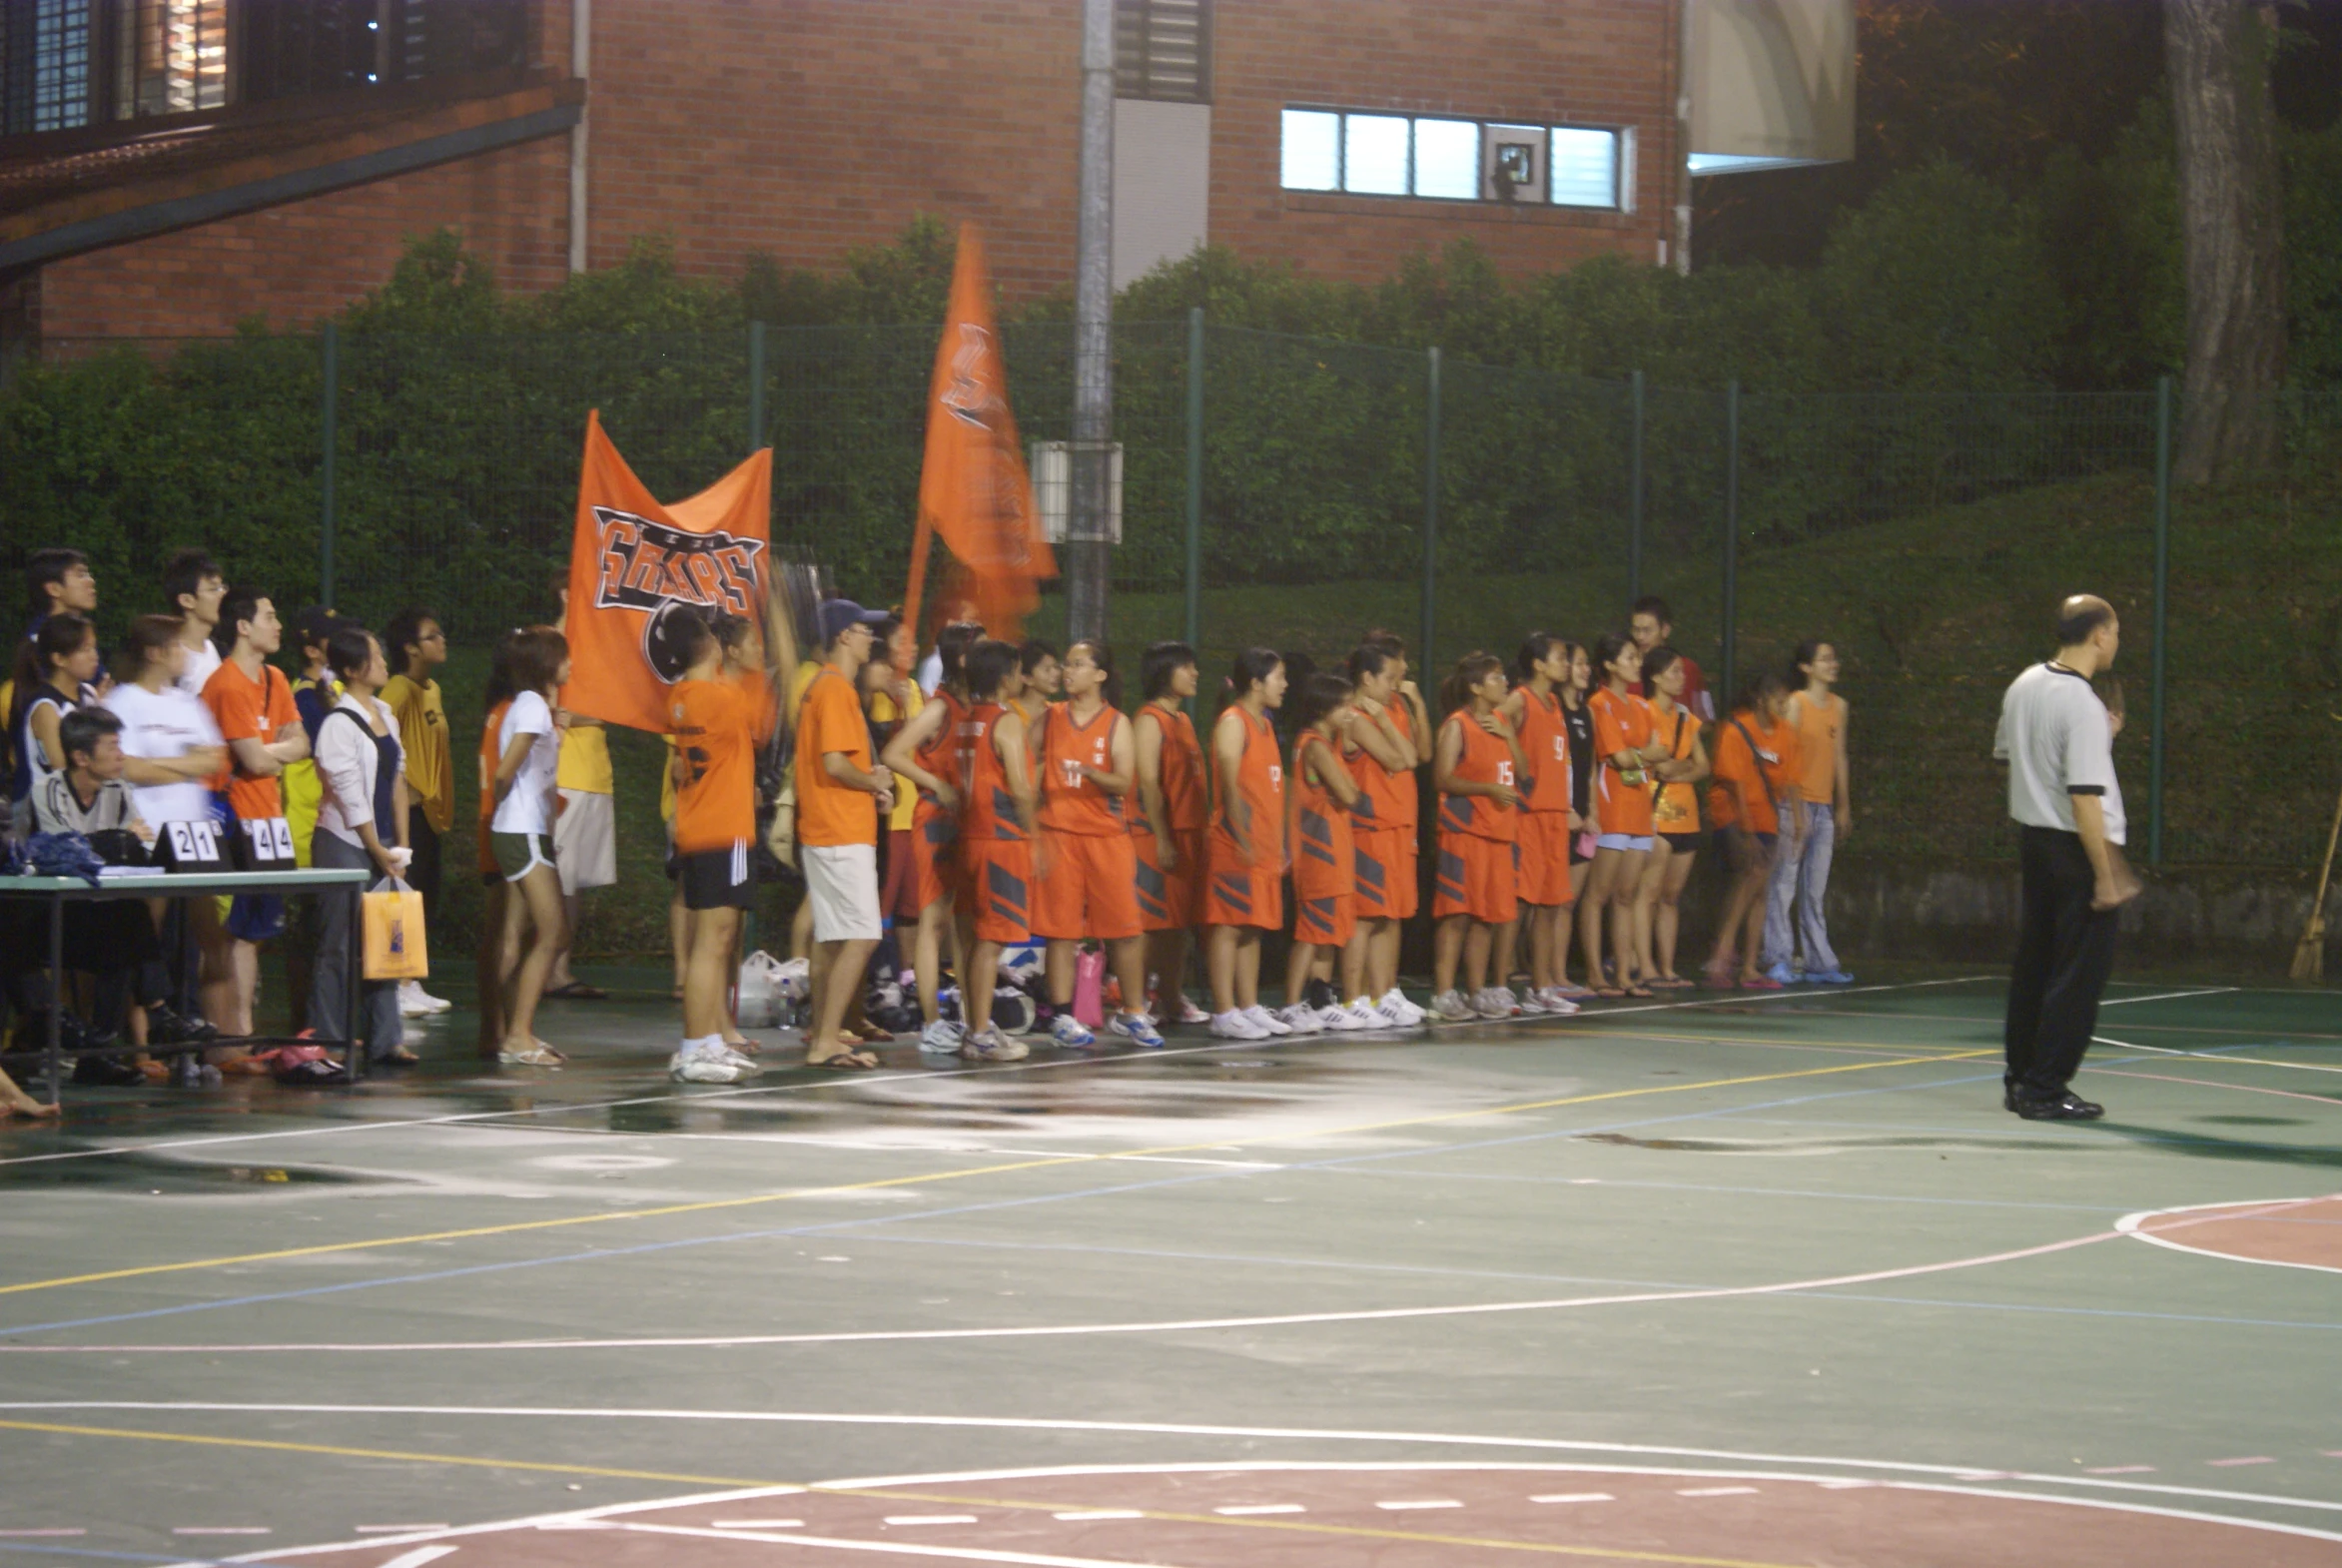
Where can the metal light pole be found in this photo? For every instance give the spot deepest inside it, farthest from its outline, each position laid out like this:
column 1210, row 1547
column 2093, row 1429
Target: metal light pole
column 1086, row 524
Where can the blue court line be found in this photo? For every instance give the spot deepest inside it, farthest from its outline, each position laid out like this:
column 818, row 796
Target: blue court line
column 863, row 1221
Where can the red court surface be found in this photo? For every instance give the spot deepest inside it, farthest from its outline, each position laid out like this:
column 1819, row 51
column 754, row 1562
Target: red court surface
column 2294, row 1232
column 1326, row 1516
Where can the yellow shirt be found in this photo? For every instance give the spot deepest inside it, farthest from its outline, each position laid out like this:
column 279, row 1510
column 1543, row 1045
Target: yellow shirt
column 422, row 730
column 586, row 760
column 882, row 711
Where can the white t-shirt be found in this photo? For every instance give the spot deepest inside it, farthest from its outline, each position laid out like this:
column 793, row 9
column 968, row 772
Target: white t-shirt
column 202, row 660
column 528, row 806
column 160, row 726
column 2058, row 742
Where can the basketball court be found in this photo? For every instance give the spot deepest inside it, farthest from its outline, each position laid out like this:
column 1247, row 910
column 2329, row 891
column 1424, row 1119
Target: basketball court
column 1715, row 1280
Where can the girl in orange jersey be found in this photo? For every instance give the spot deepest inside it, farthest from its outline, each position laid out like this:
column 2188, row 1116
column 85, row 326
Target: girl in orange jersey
column 1325, row 871
column 1548, row 822
column 927, row 751
column 996, row 841
column 1167, row 827
column 1756, row 766
column 1041, row 676
column 1624, row 749
column 1092, row 890
column 1382, row 752
column 1245, row 893
column 1478, row 768
column 1674, row 818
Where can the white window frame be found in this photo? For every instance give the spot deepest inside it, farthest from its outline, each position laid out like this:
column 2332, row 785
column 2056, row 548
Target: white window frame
column 1622, row 162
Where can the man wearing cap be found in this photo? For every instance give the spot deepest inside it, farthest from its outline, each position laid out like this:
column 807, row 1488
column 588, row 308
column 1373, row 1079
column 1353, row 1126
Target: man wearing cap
column 840, row 793
column 2057, row 739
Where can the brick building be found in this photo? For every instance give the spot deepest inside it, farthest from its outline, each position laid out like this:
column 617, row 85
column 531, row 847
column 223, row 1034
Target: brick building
column 173, row 166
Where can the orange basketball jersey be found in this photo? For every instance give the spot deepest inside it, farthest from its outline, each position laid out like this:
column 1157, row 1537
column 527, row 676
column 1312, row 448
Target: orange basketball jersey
column 1545, row 745
column 941, row 755
column 992, row 806
column 1325, row 859
column 1184, row 799
column 1071, row 801
column 1386, row 800
column 1484, row 760
column 1259, row 782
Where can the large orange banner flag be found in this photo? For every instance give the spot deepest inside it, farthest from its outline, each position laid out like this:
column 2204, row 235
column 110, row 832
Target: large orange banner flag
column 635, row 565
column 972, row 488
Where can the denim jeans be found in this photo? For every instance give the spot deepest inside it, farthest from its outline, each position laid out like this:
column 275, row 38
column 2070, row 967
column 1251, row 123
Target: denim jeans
column 1801, row 877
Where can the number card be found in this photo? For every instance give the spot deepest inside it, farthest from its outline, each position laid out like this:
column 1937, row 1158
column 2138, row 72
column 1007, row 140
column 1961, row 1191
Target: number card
column 191, row 846
column 267, row 845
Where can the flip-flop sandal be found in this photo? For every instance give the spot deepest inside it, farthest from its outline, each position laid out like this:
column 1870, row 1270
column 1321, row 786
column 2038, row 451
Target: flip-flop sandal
column 1637, row 991
column 557, row 1056
column 579, row 991
column 846, row 1062
column 872, row 1035
column 1608, row 994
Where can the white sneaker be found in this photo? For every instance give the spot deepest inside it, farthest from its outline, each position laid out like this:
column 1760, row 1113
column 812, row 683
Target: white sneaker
column 1389, row 1015
column 1266, row 1022
column 1137, row 1028
column 1557, row 1004
column 1335, row 1019
column 690, row 1066
column 943, row 1038
column 1532, row 1001
column 1396, row 1001
column 1236, row 1026
column 1364, row 1015
column 1450, row 1006
column 414, row 1002
column 1493, row 1002
column 749, row 1067
column 1070, row 1032
column 1507, row 996
column 992, row 1045
column 1300, row 1018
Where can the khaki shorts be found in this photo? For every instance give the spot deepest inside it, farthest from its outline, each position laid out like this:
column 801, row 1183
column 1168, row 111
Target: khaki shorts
column 585, row 841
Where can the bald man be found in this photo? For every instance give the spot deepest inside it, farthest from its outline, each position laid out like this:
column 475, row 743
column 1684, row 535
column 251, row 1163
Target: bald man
column 2057, row 739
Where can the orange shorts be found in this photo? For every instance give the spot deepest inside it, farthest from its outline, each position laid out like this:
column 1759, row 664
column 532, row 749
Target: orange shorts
column 1238, row 893
column 1326, row 922
column 1476, row 876
column 1000, row 871
column 1545, row 839
column 1171, row 900
column 935, row 867
column 1386, row 860
column 1090, row 889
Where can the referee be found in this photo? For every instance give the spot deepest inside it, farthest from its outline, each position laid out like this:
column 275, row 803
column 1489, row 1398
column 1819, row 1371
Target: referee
column 2057, row 739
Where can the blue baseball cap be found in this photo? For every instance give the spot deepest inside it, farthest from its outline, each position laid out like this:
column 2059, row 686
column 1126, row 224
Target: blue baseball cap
column 838, row 614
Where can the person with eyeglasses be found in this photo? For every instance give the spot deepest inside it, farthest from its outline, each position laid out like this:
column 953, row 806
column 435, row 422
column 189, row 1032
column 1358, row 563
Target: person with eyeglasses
column 416, row 644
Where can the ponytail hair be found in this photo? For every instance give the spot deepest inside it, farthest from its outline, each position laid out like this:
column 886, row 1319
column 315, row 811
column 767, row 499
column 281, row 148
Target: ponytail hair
column 1369, row 658
column 1807, row 652
column 1456, row 691
column 1103, row 657
column 1320, row 693
column 1608, row 647
column 60, row 637
column 1253, row 666
column 1159, row 664
column 1535, row 652
column 951, row 651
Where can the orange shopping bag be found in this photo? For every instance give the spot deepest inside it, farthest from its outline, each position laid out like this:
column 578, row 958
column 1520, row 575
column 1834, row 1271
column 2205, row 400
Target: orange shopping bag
column 392, row 917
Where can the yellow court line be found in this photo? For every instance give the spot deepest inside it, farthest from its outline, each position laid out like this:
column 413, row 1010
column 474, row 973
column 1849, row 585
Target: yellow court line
column 878, row 1495
column 710, row 1206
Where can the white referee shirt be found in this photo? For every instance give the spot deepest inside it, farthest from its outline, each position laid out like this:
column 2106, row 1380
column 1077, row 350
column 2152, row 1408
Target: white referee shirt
column 2058, row 743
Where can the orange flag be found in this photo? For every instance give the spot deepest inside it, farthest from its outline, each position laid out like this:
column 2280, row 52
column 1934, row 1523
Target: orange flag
column 972, row 488
column 635, row 565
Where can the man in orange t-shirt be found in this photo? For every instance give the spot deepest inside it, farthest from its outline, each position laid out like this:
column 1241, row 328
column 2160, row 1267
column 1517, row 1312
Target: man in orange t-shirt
column 252, row 703
column 840, row 793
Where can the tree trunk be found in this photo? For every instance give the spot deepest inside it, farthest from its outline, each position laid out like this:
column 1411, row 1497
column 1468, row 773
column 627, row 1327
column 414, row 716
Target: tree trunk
column 2232, row 227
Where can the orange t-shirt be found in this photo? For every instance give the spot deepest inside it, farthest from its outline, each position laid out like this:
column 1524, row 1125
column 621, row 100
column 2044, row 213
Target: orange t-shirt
column 828, row 813
column 1769, row 773
column 1184, row 799
column 1817, row 725
column 248, row 709
column 1620, row 724
column 1071, row 801
column 1545, row 746
column 1484, row 760
column 1674, row 807
column 1261, row 781
column 714, row 725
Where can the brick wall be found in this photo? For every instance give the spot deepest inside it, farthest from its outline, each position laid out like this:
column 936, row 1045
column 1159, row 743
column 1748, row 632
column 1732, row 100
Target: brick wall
column 802, row 128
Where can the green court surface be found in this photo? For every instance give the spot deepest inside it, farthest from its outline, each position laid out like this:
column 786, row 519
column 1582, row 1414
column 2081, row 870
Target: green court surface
column 1718, row 1279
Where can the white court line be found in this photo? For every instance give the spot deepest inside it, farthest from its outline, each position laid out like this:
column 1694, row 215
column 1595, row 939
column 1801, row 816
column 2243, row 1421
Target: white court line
column 616, row 1511
column 2214, row 1056
column 1050, row 1330
column 2129, row 1225
column 705, row 1096
column 2170, row 996
column 958, row 1554
column 1810, row 994
column 420, row 1556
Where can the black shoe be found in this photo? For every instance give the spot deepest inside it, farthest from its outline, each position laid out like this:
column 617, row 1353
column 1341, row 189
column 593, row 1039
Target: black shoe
column 166, row 1026
column 2060, row 1107
column 73, row 1034
column 107, row 1072
column 2008, row 1094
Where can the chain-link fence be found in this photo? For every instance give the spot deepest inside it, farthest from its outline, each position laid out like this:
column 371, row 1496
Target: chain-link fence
column 1295, row 492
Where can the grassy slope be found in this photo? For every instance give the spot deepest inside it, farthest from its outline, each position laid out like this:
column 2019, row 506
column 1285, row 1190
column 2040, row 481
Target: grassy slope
column 1933, row 615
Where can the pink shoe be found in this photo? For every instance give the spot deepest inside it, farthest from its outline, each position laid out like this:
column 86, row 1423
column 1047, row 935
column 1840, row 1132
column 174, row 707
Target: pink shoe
column 1760, row 983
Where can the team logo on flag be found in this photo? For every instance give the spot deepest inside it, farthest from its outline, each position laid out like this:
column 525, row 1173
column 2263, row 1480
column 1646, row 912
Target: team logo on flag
column 647, row 565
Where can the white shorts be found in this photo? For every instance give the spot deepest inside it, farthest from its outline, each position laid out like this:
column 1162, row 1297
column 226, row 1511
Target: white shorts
column 585, row 841
column 841, row 882
column 1633, row 843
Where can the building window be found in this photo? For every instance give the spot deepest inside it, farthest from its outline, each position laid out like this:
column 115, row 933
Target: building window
column 1163, row 50
column 44, row 65
column 1434, row 158
column 171, row 57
